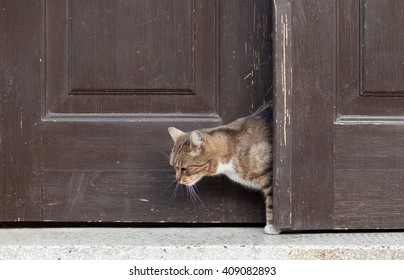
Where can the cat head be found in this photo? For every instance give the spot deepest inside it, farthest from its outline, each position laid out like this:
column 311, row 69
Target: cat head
column 192, row 155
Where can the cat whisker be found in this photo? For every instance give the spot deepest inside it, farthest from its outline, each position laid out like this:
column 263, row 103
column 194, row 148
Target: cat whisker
column 193, row 195
column 175, row 192
column 189, row 194
column 196, row 189
column 166, row 189
column 191, row 191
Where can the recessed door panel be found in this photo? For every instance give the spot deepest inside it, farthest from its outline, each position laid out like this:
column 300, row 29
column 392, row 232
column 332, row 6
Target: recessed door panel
column 370, row 59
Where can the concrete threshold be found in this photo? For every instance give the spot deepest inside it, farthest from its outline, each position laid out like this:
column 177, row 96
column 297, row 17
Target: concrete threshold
column 193, row 244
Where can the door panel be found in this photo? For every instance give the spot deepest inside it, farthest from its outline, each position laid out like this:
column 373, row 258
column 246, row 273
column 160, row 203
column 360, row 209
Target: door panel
column 369, row 153
column 383, row 56
column 365, row 42
column 130, row 57
column 118, row 74
column 90, row 87
column 340, row 122
column 369, row 176
column 100, row 40
column 124, row 196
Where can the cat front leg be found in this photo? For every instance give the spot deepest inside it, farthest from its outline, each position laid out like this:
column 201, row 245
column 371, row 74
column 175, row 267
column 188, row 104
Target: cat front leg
column 269, row 228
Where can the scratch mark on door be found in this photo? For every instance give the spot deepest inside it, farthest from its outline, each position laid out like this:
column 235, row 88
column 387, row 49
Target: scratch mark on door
column 286, row 115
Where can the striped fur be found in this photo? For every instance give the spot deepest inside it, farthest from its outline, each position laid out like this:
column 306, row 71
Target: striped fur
column 241, row 150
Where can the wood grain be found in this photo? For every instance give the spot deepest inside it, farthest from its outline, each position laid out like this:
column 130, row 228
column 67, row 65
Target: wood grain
column 21, row 57
column 304, row 132
column 283, row 110
column 88, row 91
column 382, row 60
column 340, row 110
column 369, row 199
column 141, row 197
column 369, row 63
column 131, row 56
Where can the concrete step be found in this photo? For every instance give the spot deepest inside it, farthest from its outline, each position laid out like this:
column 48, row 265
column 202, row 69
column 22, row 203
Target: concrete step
column 193, row 244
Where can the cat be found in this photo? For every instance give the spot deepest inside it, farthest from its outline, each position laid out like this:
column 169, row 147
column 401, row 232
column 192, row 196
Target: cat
column 241, row 150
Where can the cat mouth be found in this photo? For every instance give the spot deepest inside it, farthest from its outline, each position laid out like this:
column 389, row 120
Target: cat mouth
column 189, row 182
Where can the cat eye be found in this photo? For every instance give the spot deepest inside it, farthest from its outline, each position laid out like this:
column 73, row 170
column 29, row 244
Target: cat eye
column 183, row 169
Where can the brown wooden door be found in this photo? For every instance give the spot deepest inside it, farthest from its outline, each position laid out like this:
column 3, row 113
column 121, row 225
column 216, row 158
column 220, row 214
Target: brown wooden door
column 340, row 110
column 88, row 89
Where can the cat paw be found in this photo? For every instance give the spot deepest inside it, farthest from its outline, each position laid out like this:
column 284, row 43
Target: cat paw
column 270, row 229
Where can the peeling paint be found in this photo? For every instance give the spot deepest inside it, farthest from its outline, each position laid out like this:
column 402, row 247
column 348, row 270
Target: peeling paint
column 249, row 75
column 21, row 118
column 286, row 115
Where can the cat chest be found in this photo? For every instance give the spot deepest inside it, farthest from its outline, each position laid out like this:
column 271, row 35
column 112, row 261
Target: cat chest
column 230, row 171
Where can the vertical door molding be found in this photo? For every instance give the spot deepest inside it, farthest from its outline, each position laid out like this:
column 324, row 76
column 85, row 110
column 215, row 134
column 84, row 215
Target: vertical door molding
column 304, row 94
column 283, row 106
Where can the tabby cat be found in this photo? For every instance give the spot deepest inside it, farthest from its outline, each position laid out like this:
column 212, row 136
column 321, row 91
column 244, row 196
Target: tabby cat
column 241, row 150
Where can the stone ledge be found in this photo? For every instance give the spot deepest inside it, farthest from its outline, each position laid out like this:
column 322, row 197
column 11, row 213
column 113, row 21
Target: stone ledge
column 193, row 244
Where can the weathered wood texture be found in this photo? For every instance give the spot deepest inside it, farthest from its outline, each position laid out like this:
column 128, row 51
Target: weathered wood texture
column 304, row 127
column 283, row 110
column 20, row 72
column 340, row 118
column 131, row 56
column 90, row 87
column 370, row 123
column 369, row 176
column 382, row 38
column 370, row 59
column 245, row 54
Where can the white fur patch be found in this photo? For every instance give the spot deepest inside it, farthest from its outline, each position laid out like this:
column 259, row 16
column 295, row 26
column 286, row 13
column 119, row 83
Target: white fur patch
column 227, row 169
column 230, row 171
column 270, row 229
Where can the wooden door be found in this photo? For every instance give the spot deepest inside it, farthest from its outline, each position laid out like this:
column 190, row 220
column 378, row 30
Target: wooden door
column 90, row 87
column 340, row 111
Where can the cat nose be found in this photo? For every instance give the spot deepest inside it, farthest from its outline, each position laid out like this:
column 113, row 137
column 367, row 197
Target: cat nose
column 178, row 176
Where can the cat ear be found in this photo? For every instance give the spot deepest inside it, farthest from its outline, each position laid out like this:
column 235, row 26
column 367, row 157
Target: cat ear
column 197, row 138
column 175, row 133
